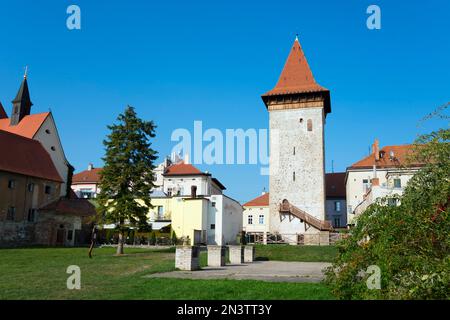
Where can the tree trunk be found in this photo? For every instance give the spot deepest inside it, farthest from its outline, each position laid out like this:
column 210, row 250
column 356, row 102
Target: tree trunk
column 120, row 243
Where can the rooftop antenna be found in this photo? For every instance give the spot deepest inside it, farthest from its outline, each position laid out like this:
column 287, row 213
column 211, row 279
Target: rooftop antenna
column 296, row 37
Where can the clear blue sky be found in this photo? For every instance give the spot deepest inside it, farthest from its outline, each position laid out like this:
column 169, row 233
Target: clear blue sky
column 180, row 61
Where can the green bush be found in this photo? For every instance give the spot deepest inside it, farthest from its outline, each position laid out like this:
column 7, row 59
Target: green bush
column 410, row 243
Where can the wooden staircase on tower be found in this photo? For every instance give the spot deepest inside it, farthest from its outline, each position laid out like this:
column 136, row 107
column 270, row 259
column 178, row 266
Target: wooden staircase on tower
column 287, row 208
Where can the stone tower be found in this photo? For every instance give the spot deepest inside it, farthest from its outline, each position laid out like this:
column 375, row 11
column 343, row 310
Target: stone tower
column 297, row 109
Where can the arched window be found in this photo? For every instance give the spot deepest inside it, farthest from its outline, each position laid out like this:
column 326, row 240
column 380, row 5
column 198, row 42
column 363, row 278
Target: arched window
column 309, row 125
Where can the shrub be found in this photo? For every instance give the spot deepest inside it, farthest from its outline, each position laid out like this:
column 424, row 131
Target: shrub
column 410, row 243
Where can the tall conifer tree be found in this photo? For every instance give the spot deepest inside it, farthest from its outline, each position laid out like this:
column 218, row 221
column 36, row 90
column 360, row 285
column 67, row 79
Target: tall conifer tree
column 127, row 175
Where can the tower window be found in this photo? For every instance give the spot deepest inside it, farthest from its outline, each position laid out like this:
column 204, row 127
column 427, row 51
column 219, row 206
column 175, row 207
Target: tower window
column 300, row 120
column 47, row 131
column 293, row 176
column 309, row 125
column 53, row 148
column 294, row 151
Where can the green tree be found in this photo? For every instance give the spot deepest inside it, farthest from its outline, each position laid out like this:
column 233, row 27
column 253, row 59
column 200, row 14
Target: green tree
column 410, row 243
column 127, row 174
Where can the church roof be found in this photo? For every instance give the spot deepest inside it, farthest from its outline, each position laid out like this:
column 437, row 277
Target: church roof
column 26, row 156
column 296, row 76
column 27, row 127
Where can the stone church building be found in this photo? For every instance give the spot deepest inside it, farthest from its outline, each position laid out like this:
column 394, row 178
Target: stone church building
column 37, row 206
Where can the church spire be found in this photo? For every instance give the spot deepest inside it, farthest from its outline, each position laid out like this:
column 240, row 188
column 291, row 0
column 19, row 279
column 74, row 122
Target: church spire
column 21, row 103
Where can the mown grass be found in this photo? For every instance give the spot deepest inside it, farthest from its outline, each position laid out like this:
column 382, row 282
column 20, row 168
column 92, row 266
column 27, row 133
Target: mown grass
column 284, row 252
column 40, row 273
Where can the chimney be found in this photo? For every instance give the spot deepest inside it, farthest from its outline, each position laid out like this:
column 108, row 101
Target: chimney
column 193, row 192
column 90, row 166
column 375, row 182
column 376, row 150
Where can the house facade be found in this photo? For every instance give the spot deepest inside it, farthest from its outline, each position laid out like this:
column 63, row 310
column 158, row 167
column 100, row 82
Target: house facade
column 256, row 216
column 385, row 172
column 335, row 203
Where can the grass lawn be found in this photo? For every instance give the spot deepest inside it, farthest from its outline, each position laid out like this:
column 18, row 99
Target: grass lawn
column 40, row 273
column 285, row 252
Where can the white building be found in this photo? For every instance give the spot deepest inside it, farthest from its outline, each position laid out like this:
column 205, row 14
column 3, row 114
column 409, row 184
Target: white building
column 255, row 222
column 383, row 173
column 297, row 110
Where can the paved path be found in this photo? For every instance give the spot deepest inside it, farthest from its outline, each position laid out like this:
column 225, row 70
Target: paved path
column 273, row 271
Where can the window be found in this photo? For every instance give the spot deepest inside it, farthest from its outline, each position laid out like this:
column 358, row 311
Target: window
column 337, row 206
column 69, row 235
column 397, row 183
column 294, row 151
column 309, row 125
column 169, row 192
column 48, row 189
column 31, row 215
column 366, row 185
column 86, row 193
column 250, row 219
column 261, row 219
column 337, row 222
column 53, row 148
column 47, row 131
column 293, row 176
column 213, row 204
column 30, row 187
column 11, row 184
column 213, row 226
column 392, row 202
column 11, row 215
column 160, row 212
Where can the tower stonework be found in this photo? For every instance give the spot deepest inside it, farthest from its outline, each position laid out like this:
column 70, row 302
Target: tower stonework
column 297, row 109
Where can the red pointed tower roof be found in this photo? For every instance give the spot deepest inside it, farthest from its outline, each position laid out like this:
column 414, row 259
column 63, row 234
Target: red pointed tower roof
column 296, row 77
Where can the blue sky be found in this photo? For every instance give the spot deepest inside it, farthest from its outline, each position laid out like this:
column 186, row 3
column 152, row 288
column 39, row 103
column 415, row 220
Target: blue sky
column 181, row 61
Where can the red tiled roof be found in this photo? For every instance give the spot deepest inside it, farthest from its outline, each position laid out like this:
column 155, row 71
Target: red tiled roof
column 335, row 185
column 3, row 114
column 296, row 76
column 400, row 152
column 26, row 156
column 261, row 201
column 77, row 207
column 182, row 169
column 27, row 127
column 87, row 176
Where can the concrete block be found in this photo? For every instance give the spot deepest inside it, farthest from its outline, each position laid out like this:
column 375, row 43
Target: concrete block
column 236, row 254
column 216, row 256
column 249, row 253
column 187, row 258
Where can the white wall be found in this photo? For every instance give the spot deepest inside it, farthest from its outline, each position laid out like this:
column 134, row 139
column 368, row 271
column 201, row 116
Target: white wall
column 307, row 192
column 49, row 140
column 255, row 212
column 227, row 216
column 355, row 189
